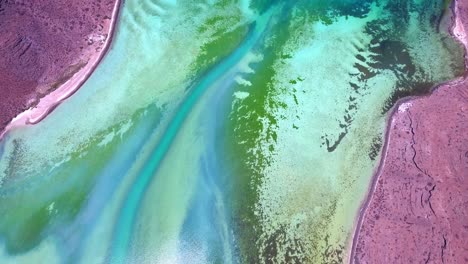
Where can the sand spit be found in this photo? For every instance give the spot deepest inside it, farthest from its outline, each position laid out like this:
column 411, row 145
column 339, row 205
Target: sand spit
column 416, row 211
column 49, row 50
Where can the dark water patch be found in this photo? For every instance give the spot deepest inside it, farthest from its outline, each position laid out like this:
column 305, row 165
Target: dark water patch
column 389, row 51
column 355, row 87
column 365, row 72
column 399, row 9
column 391, row 54
column 332, row 146
column 246, row 125
column 361, row 58
column 287, row 245
column 403, row 90
column 333, row 253
column 358, row 88
column 351, row 8
column 295, row 250
column 375, row 147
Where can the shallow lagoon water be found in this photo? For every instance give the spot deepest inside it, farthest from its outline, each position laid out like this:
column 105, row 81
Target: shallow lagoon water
column 220, row 131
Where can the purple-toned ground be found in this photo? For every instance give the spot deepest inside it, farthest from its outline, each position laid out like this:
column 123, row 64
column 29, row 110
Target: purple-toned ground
column 417, row 211
column 43, row 44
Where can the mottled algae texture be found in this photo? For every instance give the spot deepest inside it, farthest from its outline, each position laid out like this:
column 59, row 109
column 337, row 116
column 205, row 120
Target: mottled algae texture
column 42, row 44
column 418, row 212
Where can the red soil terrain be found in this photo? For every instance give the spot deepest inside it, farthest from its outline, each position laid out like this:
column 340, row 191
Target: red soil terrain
column 43, row 43
column 417, row 211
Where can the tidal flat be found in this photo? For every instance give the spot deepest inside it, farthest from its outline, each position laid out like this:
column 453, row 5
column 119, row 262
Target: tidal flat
column 221, row 132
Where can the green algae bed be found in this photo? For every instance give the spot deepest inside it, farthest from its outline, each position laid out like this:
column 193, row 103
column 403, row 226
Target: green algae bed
column 289, row 123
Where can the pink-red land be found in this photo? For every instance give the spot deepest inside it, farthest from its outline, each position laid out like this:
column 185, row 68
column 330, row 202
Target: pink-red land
column 417, row 207
column 47, row 50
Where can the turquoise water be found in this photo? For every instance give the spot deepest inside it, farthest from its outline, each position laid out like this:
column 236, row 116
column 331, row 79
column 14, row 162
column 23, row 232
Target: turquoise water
column 126, row 218
column 219, row 132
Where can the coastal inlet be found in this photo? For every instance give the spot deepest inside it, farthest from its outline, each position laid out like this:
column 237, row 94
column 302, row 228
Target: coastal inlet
column 221, row 132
